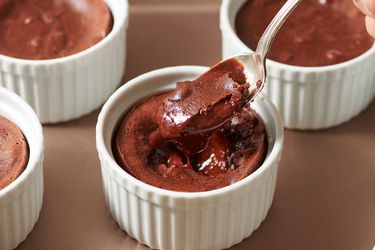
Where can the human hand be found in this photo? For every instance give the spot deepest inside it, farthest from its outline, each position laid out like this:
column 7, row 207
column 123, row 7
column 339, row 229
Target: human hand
column 368, row 8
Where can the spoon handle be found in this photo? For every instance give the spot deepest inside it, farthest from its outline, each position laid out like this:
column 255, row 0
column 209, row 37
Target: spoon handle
column 269, row 34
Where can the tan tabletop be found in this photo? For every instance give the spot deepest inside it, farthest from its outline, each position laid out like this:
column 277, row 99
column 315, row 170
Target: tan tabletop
column 325, row 194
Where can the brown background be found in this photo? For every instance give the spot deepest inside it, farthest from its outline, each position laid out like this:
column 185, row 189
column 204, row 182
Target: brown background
column 325, row 195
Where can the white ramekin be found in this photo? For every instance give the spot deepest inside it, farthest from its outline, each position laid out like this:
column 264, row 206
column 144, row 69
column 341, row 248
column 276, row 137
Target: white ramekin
column 166, row 219
column 69, row 87
column 21, row 201
column 308, row 97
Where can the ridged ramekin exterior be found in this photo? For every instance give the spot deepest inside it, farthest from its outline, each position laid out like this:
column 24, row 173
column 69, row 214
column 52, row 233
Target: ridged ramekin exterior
column 165, row 219
column 70, row 87
column 308, row 97
column 21, row 201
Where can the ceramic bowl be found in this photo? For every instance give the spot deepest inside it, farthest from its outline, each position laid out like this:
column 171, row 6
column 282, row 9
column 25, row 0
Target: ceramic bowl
column 69, row 87
column 166, row 219
column 21, row 200
column 308, row 97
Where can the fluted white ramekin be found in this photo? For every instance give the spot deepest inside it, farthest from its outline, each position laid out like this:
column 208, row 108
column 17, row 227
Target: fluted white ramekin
column 21, row 201
column 166, row 219
column 69, row 87
column 308, row 97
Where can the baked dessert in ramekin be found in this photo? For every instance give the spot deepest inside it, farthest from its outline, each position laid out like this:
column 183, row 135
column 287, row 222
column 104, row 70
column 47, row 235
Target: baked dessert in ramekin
column 21, row 199
column 56, row 60
column 309, row 97
column 165, row 219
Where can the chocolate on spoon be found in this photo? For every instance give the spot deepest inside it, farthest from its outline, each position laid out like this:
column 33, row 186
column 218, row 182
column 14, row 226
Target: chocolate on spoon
column 205, row 103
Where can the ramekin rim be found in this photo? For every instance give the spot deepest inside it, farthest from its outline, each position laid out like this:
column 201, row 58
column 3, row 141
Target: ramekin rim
column 118, row 25
column 103, row 152
column 227, row 27
column 38, row 148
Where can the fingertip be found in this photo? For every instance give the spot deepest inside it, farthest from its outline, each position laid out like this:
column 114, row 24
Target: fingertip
column 370, row 25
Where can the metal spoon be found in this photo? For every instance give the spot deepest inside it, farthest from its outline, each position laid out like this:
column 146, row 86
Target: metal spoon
column 254, row 69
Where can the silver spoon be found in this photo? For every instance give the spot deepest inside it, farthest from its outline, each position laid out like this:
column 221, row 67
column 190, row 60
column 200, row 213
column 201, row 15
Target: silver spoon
column 254, row 69
column 255, row 63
